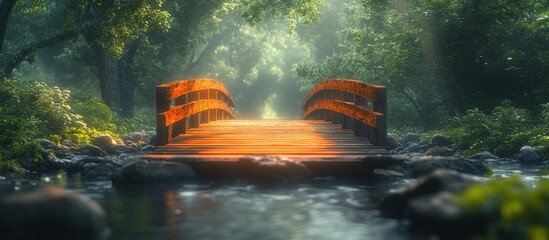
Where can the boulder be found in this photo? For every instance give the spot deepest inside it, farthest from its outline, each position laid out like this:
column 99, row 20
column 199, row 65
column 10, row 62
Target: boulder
column 69, row 144
column 529, row 154
column 118, row 149
column 152, row 139
column 392, row 142
column 49, row 163
column 484, row 156
column 395, row 203
column 439, row 140
column 143, row 171
column 78, row 165
column 98, row 172
column 52, row 213
column 103, row 141
column 91, row 150
column 415, row 148
column 439, row 151
column 410, row 137
column 275, row 169
column 427, row 165
column 438, row 213
column 48, row 145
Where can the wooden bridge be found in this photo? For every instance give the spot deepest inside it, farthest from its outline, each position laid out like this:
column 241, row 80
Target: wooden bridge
column 344, row 130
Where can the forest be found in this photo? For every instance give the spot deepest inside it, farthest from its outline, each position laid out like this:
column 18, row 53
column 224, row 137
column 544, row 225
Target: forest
column 476, row 71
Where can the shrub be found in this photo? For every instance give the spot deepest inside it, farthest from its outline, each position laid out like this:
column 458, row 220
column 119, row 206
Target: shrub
column 508, row 209
column 503, row 131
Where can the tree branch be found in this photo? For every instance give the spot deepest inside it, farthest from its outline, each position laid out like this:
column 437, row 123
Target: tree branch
column 10, row 61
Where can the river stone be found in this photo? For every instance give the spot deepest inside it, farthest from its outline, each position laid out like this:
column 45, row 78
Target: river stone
column 69, row 144
column 439, row 140
column 275, row 169
column 118, row 149
column 439, row 151
column 529, row 154
column 103, row 141
column 429, row 164
column 148, row 148
column 438, row 213
column 143, row 171
column 388, row 174
column 52, row 213
column 48, row 145
column 392, row 142
column 410, row 137
column 395, row 203
column 92, row 150
column 98, row 172
column 484, row 156
column 51, row 163
column 78, row 165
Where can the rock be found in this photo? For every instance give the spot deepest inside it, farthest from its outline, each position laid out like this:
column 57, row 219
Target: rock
column 51, row 163
column 484, row 156
column 92, row 150
column 439, row 151
column 392, row 142
column 98, row 172
column 529, row 154
column 48, row 145
column 429, row 164
column 388, row 174
column 78, row 165
column 69, row 144
column 152, row 139
column 275, row 169
column 410, row 137
column 103, row 141
column 439, row 140
column 414, row 148
column 148, row 148
column 52, row 213
column 438, row 213
column 143, row 171
column 395, row 203
column 118, row 149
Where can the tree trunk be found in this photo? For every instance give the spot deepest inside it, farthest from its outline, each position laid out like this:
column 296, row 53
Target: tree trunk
column 116, row 79
column 5, row 12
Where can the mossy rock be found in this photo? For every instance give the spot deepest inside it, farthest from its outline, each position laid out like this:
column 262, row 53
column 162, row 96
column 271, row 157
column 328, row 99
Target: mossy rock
column 439, row 151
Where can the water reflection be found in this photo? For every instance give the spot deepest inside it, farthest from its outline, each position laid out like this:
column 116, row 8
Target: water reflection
column 243, row 211
column 323, row 209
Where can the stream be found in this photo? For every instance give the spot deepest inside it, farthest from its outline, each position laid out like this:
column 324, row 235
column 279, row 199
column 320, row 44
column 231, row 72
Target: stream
column 324, row 208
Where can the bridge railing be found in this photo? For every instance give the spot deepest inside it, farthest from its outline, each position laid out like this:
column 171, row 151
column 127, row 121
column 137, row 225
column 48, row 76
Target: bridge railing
column 355, row 105
column 185, row 104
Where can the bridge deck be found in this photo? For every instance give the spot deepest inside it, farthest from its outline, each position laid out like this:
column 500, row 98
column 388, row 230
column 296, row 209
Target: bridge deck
column 324, row 147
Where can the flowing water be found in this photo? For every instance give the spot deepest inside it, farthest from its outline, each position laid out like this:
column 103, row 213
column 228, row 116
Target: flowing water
column 320, row 209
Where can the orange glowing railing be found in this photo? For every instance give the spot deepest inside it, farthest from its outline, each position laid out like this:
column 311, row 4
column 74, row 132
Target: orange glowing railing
column 185, row 104
column 353, row 104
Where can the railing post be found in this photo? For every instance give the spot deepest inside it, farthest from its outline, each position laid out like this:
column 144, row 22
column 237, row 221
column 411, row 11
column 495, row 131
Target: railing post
column 380, row 105
column 194, row 120
column 180, row 127
column 162, row 105
column 359, row 126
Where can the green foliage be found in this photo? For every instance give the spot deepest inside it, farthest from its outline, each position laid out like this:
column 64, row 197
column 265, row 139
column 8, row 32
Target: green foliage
column 442, row 57
column 503, row 131
column 294, row 10
column 508, row 208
